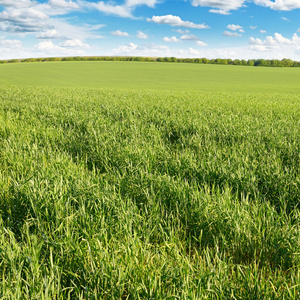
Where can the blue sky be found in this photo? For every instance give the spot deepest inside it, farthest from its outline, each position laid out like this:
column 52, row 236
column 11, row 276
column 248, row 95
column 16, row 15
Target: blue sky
column 182, row 28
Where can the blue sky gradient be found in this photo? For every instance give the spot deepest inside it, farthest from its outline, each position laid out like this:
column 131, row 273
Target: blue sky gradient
column 192, row 28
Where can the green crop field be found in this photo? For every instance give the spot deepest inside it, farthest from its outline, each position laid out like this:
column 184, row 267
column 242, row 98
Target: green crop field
column 155, row 76
column 149, row 181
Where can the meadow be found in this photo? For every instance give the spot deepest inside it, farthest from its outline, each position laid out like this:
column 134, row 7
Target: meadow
column 149, row 181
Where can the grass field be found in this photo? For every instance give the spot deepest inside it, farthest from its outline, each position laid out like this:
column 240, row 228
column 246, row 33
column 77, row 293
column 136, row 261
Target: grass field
column 155, row 76
column 112, row 188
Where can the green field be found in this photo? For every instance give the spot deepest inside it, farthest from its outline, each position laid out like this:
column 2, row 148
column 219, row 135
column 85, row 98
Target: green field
column 149, row 181
column 155, row 76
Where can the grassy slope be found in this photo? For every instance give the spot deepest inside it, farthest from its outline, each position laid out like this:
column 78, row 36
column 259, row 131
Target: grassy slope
column 115, row 194
column 158, row 76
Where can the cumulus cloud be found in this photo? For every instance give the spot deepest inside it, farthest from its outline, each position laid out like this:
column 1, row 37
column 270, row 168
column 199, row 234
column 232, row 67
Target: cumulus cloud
column 172, row 39
column 63, row 4
column 194, row 51
column 189, row 37
column 119, row 10
column 234, row 27
column 141, row 35
column 231, row 33
column 22, row 15
column 22, row 20
column 279, row 4
column 273, row 42
column 16, row 3
column 142, row 50
column 76, row 43
column 119, row 33
column 225, row 6
column 181, row 31
column 201, row 44
column 49, row 34
column 176, row 21
column 131, row 3
column 45, row 45
column 219, row 11
column 11, row 43
column 48, row 48
column 220, row 7
column 125, row 10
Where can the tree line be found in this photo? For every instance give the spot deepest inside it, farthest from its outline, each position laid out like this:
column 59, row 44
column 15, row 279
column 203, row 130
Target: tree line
column 218, row 61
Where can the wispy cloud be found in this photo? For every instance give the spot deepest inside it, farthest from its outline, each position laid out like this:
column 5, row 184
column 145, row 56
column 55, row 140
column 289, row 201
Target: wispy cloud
column 172, row 39
column 231, row 33
column 220, row 7
column 124, row 10
column 119, row 33
column 141, row 35
column 176, row 21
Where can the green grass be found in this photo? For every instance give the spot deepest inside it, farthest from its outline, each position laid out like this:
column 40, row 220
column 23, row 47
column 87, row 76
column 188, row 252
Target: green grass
column 155, row 76
column 147, row 194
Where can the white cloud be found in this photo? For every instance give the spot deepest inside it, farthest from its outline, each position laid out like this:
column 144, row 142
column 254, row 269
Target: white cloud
column 142, row 50
column 189, row 37
column 194, row 51
column 22, row 20
column 150, row 3
column 63, row 4
column 220, row 6
column 45, row 45
column 201, row 44
column 225, row 6
column 181, row 31
column 253, row 27
column 141, row 35
column 298, row 30
column 284, row 19
column 175, row 21
column 125, row 10
column 172, row 39
column 119, row 10
column 279, row 4
column 11, row 43
column 47, row 48
column 219, row 11
column 130, row 48
column 74, row 32
column 119, row 33
column 22, row 15
column 50, row 34
column 231, row 34
column 234, row 27
column 262, row 31
column 76, row 43
column 278, row 43
column 16, row 3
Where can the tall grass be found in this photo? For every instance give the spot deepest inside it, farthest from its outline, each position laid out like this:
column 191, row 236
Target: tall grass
column 108, row 194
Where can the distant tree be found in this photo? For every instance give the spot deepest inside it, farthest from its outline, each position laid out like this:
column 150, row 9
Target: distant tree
column 198, row 61
column 13, row 61
column 250, row 62
column 287, row 62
